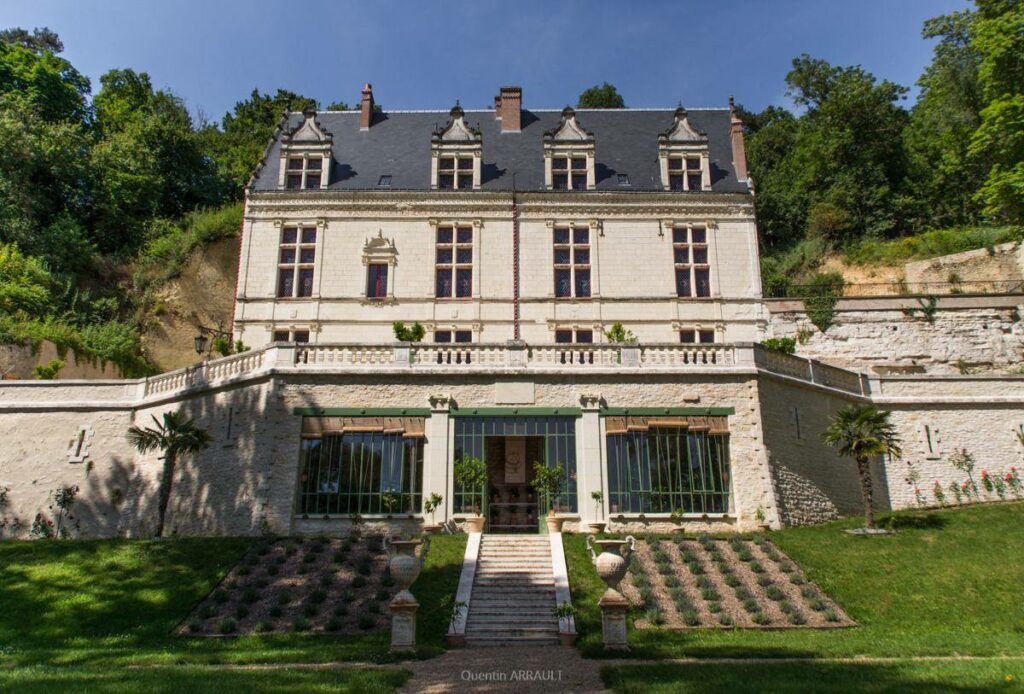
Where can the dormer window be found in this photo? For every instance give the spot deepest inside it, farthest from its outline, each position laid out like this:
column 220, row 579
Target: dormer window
column 456, row 153
column 569, row 155
column 305, row 173
column 306, row 155
column 684, row 156
column 569, row 173
column 455, row 173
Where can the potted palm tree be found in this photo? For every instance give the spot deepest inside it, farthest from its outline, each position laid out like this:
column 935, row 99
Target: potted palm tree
column 431, row 505
column 862, row 432
column 471, row 473
column 597, row 526
column 174, row 436
column 549, row 482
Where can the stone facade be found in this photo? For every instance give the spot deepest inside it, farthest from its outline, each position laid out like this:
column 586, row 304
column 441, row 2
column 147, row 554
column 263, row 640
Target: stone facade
column 246, row 482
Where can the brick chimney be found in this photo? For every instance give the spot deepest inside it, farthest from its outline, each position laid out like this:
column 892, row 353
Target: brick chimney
column 739, row 150
column 508, row 105
column 366, row 107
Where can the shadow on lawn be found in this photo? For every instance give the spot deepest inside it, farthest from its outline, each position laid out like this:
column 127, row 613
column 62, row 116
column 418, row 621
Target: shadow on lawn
column 785, row 677
column 917, row 521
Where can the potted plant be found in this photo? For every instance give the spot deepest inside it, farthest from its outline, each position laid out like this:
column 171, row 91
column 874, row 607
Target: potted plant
column 762, row 521
column 596, row 527
column 432, row 503
column 566, row 611
column 549, row 482
column 471, row 473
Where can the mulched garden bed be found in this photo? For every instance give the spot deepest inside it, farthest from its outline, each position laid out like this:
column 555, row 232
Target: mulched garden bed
column 710, row 583
column 300, row 584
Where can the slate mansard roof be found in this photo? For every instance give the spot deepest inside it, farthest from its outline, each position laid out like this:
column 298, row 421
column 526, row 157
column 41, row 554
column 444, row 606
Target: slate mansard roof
column 398, row 145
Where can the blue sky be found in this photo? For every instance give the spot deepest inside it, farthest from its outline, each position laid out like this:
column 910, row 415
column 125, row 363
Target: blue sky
column 426, row 54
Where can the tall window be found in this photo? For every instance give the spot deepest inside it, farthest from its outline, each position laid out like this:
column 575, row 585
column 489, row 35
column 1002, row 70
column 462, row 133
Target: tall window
column 684, row 173
column 690, row 251
column 572, row 262
column 295, row 261
column 455, row 173
column 569, row 173
column 304, row 173
column 454, row 259
column 376, row 281
column 662, row 470
column 361, row 472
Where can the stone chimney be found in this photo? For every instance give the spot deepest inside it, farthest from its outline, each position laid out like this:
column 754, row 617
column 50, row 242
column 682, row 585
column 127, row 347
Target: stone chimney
column 497, row 106
column 739, row 150
column 508, row 105
column 366, row 107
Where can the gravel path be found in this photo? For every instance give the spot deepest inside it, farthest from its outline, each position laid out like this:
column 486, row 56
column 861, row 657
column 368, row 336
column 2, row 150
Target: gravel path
column 519, row 669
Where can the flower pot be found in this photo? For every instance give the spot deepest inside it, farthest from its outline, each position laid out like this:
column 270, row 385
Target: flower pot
column 431, row 529
column 566, row 638
column 596, row 527
column 475, row 524
column 554, row 524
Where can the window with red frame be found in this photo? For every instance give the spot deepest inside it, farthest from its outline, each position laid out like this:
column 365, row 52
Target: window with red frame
column 376, row 281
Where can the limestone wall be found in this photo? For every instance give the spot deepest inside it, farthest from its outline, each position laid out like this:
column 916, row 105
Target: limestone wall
column 877, row 333
column 73, row 433
column 1002, row 263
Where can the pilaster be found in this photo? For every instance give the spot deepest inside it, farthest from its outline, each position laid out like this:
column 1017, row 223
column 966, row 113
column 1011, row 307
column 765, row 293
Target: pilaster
column 588, row 454
column 436, row 461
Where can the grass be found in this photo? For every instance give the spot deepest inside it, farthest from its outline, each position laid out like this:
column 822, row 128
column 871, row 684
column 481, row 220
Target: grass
column 929, row 244
column 909, row 677
column 114, row 603
column 948, row 582
column 196, row 678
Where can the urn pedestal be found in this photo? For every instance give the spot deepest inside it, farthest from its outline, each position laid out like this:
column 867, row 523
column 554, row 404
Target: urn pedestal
column 611, row 565
column 405, row 569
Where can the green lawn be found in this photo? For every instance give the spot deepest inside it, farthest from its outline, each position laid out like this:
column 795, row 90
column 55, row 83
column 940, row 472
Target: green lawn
column 907, row 677
column 949, row 582
column 114, row 603
column 189, row 678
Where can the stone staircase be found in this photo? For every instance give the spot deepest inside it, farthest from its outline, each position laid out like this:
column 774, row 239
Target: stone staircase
column 513, row 599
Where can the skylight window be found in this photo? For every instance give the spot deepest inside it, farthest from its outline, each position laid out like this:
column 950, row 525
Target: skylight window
column 384, row 181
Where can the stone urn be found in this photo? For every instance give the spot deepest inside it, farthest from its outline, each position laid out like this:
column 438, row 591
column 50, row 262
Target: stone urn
column 432, row 529
column 404, row 565
column 613, row 561
column 596, row 527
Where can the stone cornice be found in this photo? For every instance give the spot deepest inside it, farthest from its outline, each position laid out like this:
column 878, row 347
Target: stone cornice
column 409, row 204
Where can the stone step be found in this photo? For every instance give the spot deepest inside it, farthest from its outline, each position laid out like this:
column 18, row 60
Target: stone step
column 515, row 642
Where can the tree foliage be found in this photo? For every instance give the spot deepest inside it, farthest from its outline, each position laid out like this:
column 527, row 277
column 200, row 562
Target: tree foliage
column 601, row 96
column 998, row 38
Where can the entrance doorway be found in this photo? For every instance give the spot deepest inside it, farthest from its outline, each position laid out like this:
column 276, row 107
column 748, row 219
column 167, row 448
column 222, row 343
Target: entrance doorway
column 512, row 502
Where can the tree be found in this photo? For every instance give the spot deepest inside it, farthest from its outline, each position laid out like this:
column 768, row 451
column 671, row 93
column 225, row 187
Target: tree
column 862, row 432
column 39, row 40
column 53, row 88
column 945, row 177
column 174, row 436
column 998, row 37
column 845, row 150
column 238, row 145
column 603, row 96
column 24, row 283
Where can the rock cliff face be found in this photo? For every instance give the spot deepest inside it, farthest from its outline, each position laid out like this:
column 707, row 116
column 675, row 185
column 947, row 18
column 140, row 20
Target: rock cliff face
column 202, row 295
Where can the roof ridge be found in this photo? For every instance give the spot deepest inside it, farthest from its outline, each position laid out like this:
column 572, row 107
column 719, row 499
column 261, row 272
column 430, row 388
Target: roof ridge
column 445, row 111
